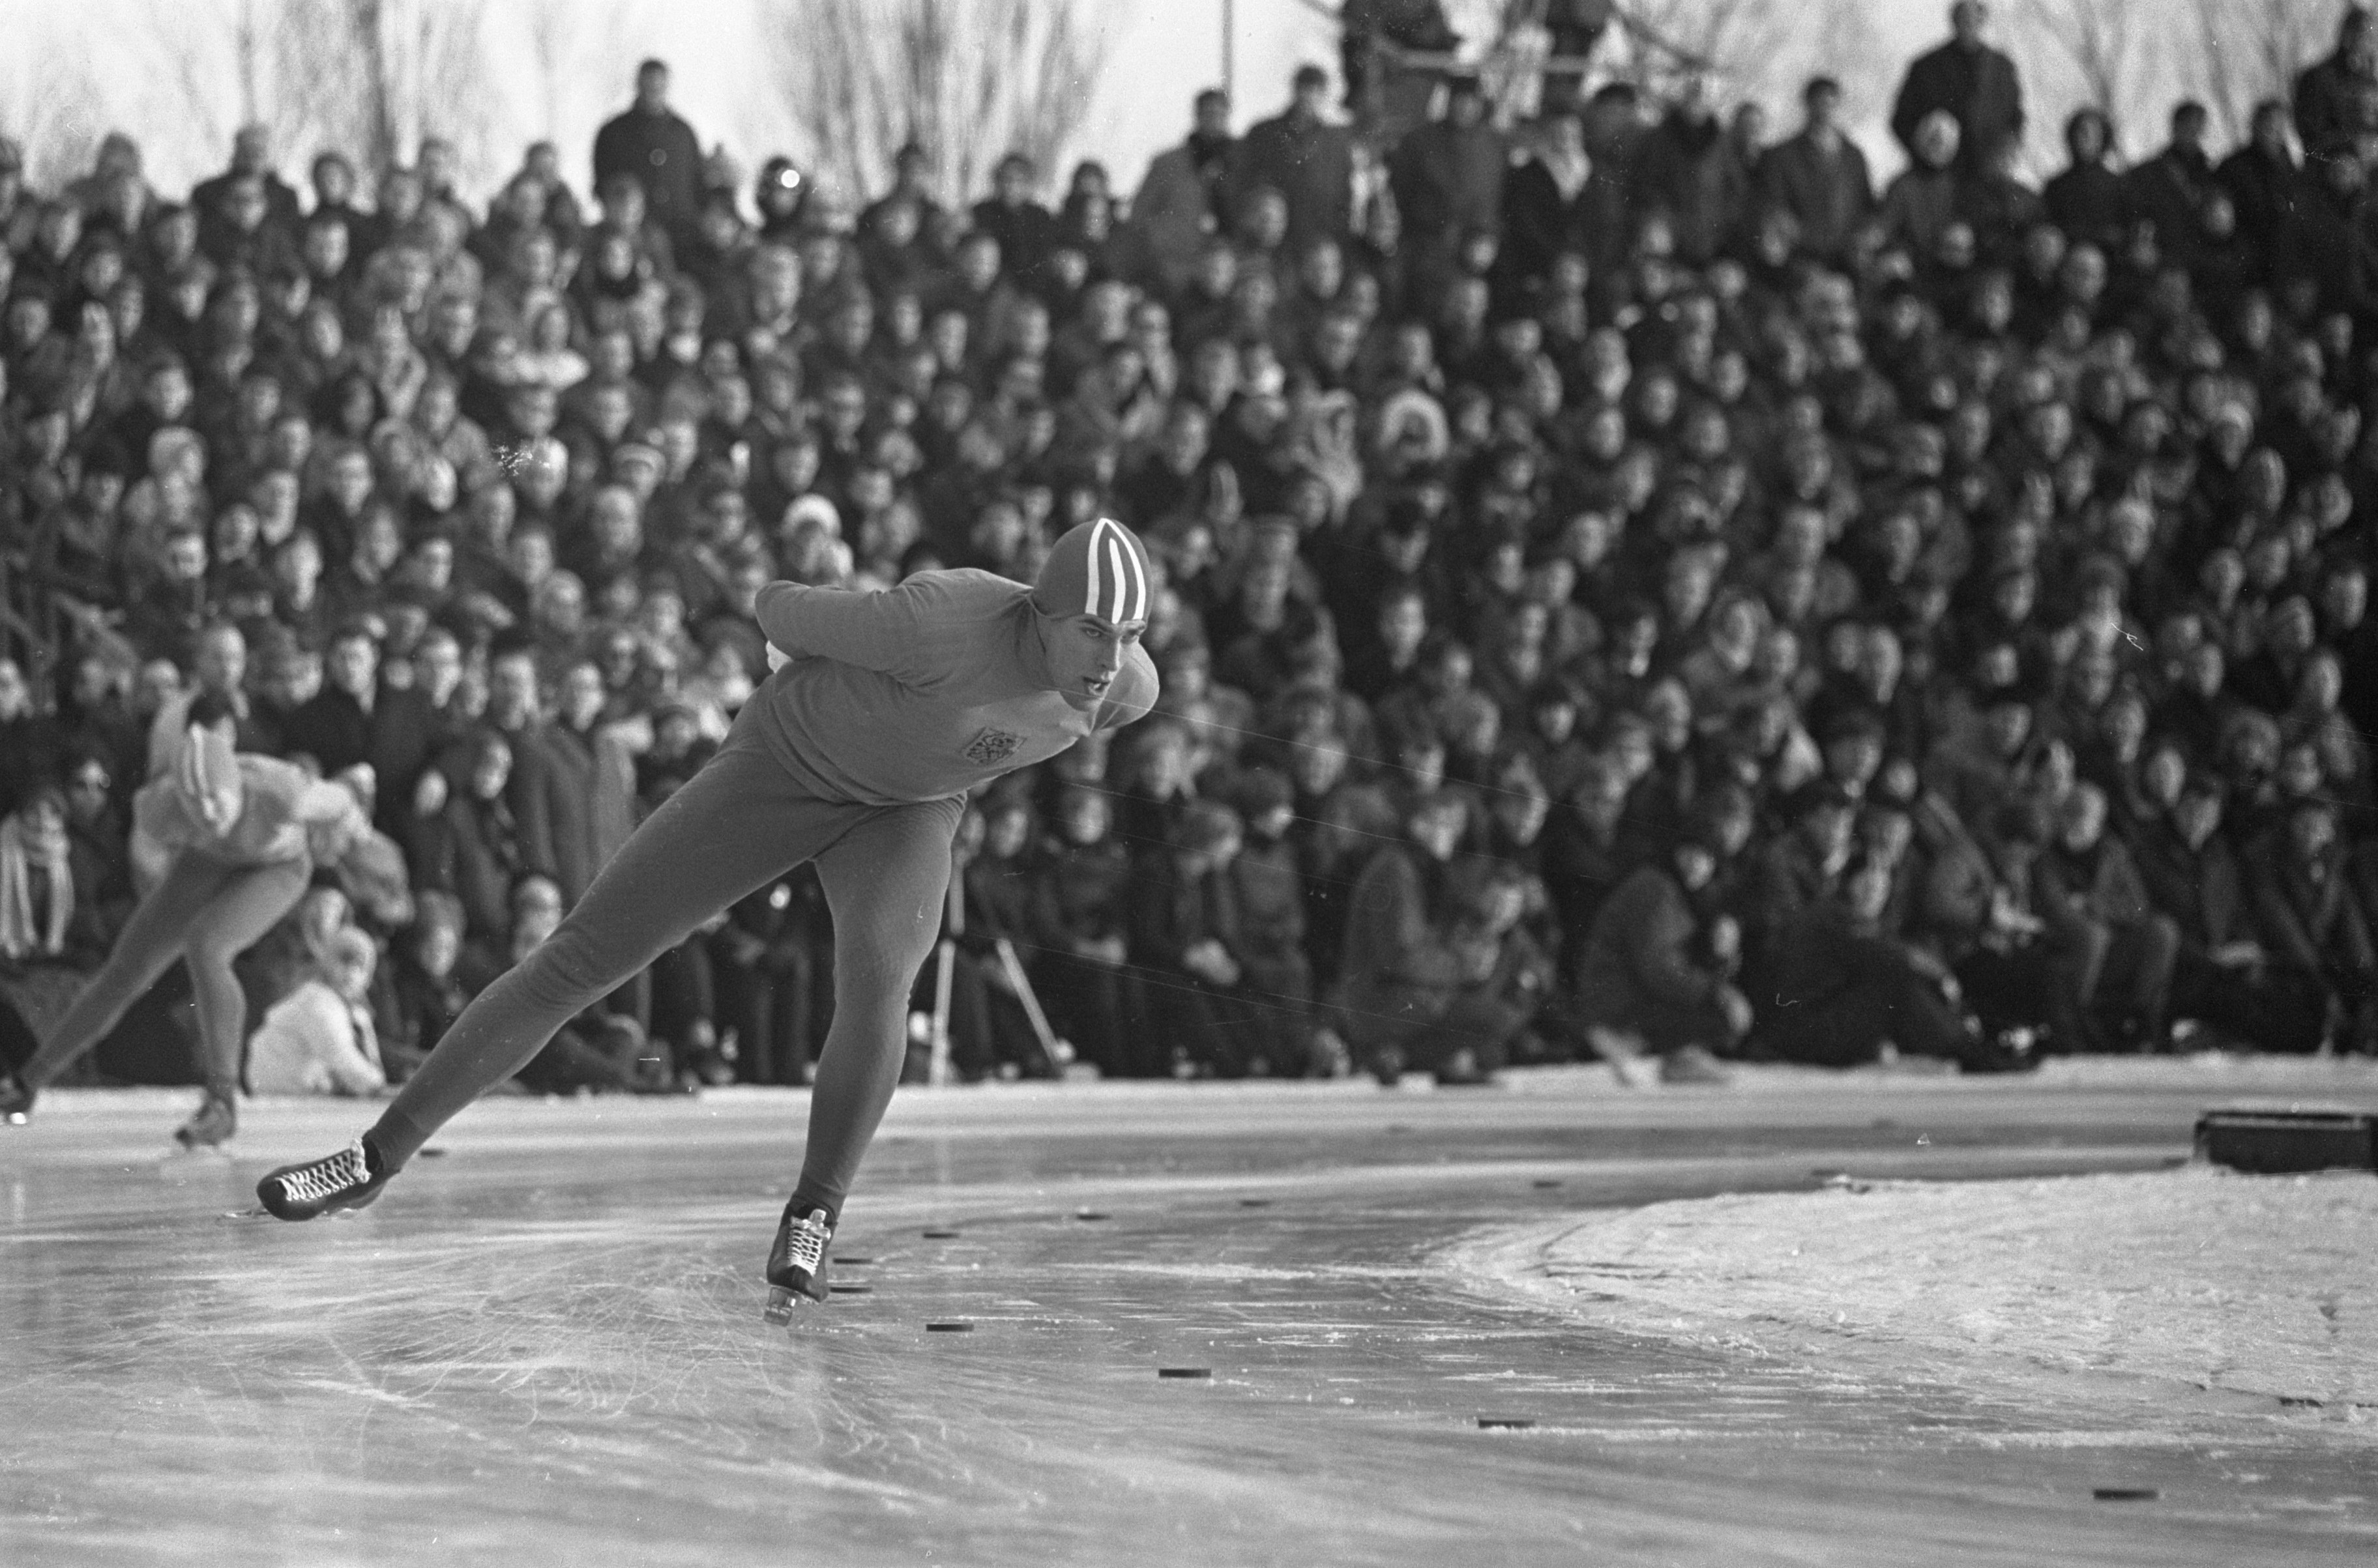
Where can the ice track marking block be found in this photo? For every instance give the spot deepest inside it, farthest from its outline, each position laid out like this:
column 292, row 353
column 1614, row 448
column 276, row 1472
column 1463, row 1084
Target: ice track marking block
column 2271, row 1142
column 780, row 1305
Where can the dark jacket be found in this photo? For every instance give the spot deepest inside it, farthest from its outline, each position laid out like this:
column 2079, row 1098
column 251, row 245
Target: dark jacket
column 567, row 780
column 1641, row 951
column 663, row 153
column 1829, row 193
column 2331, row 107
column 1309, row 162
column 1690, row 171
column 473, row 850
column 1448, row 179
column 2201, row 888
column 1979, row 86
column 1081, row 894
column 2312, row 924
column 2089, row 201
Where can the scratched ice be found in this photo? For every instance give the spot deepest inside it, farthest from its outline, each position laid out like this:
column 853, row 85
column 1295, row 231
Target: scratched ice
column 546, row 1348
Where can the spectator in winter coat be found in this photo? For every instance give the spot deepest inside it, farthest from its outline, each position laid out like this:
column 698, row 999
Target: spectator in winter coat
column 2265, row 186
column 2087, row 199
column 1819, row 176
column 1180, row 201
column 649, row 143
column 1691, row 171
column 2170, row 189
column 1544, row 198
column 1269, row 889
column 2088, row 884
column 1974, row 83
column 472, row 848
column 1185, row 939
column 1448, row 178
column 2222, row 976
column 1081, row 901
column 1924, row 199
column 2334, row 97
column 1653, row 973
column 318, row 1039
column 1308, row 161
column 430, row 992
column 1844, row 990
column 2313, row 924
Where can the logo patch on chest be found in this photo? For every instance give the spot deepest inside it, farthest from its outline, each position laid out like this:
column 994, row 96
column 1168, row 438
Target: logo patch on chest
column 992, row 747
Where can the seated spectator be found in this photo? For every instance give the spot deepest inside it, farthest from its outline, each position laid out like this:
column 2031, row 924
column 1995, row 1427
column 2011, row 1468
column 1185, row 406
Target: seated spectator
column 2092, row 887
column 1847, row 993
column 318, row 1039
column 2313, row 926
column 1081, row 900
column 1655, row 974
column 1186, row 940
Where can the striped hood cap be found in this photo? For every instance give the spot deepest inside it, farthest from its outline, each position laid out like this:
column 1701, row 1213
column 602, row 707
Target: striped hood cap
column 1099, row 568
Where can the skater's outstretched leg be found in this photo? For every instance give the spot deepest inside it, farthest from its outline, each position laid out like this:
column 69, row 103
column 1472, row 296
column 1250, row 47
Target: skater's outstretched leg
column 151, row 939
column 884, row 882
column 736, row 825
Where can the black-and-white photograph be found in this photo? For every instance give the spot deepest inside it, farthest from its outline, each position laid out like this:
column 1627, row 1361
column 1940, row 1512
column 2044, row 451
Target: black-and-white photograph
column 1030, row 782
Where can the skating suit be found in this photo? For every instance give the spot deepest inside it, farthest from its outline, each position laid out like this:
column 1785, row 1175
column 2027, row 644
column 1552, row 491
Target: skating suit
column 285, row 814
column 922, row 692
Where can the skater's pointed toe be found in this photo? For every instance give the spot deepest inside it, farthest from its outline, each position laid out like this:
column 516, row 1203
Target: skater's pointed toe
column 351, row 1179
column 16, row 1100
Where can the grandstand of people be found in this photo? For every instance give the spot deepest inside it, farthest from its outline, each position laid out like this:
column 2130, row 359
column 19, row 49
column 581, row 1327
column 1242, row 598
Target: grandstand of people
column 1630, row 590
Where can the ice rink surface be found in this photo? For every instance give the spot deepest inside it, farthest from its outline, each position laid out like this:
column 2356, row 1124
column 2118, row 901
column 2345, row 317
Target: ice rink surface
column 543, row 1345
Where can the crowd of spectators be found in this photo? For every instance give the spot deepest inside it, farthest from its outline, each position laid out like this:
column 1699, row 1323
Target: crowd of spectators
column 1632, row 588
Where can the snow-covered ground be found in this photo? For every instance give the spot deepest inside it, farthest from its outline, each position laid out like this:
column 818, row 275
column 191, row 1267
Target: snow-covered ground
column 2258, row 1289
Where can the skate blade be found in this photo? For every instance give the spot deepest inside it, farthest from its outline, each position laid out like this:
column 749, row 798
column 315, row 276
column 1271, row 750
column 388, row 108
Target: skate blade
column 781, row 1305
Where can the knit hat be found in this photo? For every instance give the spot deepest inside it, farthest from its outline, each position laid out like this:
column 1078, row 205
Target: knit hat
column 1099, row 568
column 207, row 774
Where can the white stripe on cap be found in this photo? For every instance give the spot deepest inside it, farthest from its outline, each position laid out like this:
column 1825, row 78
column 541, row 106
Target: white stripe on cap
column 1123, row 574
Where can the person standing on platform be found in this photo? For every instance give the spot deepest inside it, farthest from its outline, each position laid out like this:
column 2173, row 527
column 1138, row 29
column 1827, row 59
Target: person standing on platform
column 651, row 144
column 883, row 711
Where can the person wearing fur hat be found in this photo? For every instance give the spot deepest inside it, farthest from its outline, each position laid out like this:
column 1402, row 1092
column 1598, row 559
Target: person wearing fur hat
column 241, row 834
column 881, row 713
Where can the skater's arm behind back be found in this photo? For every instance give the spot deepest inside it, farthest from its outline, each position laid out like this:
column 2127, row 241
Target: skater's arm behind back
column 916, row 632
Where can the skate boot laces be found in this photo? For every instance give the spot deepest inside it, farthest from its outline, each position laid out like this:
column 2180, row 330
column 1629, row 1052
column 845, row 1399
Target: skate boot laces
column 805, row 1242
column 328, row 1177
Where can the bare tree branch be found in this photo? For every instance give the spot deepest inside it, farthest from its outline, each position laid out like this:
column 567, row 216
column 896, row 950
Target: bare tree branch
column 968, row 80
column 2251, row 50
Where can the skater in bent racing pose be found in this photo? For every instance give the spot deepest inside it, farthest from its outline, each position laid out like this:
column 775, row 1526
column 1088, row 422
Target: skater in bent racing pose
column 245, row 833
column 883, row 711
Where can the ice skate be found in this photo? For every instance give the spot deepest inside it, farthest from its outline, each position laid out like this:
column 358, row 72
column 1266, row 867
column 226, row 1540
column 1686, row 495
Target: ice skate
column 16, row 1100
column 1625, row 1054
column 348, row 1180
column 1694, row 1065
column 212, row 1125
column 797, row 1263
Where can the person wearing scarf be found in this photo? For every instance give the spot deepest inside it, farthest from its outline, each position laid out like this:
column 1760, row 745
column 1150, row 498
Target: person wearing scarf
column 37, row 890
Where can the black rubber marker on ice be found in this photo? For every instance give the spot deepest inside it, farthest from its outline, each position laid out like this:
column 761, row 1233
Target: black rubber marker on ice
column 1506, row 1423
column 1185, row 1371
column 2125, row 1494
column 949, row 1328
column 941, row 1235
